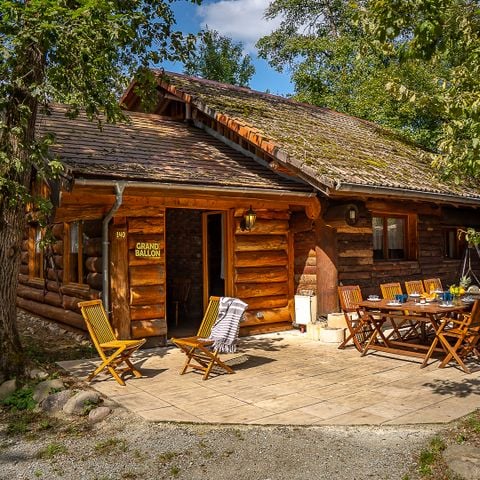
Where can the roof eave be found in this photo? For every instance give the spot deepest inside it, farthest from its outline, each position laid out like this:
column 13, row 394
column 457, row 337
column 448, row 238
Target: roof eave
column 403, row 193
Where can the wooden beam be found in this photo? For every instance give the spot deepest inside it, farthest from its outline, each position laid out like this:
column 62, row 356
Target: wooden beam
column 119, row 286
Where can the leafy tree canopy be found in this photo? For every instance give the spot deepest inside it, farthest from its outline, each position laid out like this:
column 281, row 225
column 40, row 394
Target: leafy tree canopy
column 79, row 52
column 365, row 59
column 219, row 58
column 439, row 32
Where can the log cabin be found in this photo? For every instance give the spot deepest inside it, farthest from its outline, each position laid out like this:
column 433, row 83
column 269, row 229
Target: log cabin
column 155, row 215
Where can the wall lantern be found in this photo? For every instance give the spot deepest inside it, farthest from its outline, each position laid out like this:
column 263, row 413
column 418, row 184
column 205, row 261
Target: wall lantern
column 351, row 214
column 248, row 220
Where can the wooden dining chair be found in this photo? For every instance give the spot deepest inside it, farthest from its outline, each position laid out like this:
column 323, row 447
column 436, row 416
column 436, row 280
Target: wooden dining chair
column 432, row 285
column 358, row 322
column 461, row 339
column 414, row 286
column 389, row 290
column 404, row 329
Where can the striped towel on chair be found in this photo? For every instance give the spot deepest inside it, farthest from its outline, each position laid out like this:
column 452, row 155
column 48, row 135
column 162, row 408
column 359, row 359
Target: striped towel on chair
column 225, row 329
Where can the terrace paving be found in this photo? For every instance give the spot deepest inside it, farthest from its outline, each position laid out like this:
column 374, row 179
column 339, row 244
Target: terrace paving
column 288, row 379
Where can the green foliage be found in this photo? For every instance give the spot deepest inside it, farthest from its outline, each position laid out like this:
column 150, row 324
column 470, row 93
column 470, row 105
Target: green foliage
column 472, row 236
column 110, row 445
column 412, row 66
column 335, row 63
column 79, row 53
column 440, row 32
column 21, row 399
column 429, row 456
column 51, row 450
column 219, row 58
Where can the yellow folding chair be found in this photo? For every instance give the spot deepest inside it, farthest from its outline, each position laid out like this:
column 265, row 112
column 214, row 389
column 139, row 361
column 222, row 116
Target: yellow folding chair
column 433, row 285
column 197, row 348
column 112, row 351
column 414, row 286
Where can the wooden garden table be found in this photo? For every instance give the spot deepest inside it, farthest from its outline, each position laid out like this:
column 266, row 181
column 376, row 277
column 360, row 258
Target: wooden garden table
column 426, row 314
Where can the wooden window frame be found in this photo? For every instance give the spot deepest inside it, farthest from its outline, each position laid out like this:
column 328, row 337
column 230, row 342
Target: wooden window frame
column 67, row 254
column 410, row 235
column 459, row 244
column 35, row 262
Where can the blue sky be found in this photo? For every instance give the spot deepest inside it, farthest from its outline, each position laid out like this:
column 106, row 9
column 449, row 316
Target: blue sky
column 241, row 20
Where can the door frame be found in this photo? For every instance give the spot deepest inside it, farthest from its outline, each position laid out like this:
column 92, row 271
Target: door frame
column 228, row 233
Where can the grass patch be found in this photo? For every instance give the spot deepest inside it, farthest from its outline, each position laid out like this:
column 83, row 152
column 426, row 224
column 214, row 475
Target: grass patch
column 51, row 450
column 21, row 422
column 473, row 423
column 430, row 455
column 110, row 445
column 174, row 471
column 167, row 457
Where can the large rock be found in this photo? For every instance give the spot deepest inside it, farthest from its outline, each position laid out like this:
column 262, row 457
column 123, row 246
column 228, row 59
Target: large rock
column 55, row 402
column 98, row 414
column 38, row 374
column 78, row 404
column 45, row 388
column 463, row 460
column 7, row 388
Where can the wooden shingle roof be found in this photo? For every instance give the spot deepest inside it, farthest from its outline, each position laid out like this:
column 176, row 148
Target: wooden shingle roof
column 335, row 151
column 152, row 149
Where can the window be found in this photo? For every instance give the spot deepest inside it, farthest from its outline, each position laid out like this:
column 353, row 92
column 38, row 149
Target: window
column 35, row 252
column 74, row 263
column 453, row 247
column 390, row 237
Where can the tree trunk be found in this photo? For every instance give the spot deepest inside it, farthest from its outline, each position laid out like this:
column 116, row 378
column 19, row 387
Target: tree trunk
column 11, row 233
column 17, row 140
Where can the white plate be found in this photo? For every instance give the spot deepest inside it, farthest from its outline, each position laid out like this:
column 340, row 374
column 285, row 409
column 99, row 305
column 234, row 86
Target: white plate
column 446, row 306
column 373, row 299
column 414, row 295
column 394, row 304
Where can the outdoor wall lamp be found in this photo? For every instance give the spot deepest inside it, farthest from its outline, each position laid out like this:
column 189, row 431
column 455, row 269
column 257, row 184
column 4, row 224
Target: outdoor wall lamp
column 248, row 220
column 351, row 215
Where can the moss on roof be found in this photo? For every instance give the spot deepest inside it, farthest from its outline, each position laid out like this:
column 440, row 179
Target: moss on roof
column 338, row 148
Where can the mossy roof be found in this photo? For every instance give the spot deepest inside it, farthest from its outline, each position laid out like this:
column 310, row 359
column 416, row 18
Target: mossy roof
column 331, row 148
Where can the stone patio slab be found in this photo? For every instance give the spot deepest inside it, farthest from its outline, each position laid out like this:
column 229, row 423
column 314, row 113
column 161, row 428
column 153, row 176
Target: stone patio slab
column 285, row 378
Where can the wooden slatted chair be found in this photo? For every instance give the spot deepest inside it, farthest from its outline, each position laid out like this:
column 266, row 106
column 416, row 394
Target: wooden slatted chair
column 112, row 351
column 464, row 336
column 414, row 286
column 358, row 323
column 389, row 290
column 432, row 285
column 404, row 329
column 198, row 349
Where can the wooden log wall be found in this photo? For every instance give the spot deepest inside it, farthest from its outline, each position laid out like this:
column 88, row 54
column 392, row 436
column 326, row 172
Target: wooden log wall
column 50, row 297
column 146, row 276
column 356, row 265
column 263, row 271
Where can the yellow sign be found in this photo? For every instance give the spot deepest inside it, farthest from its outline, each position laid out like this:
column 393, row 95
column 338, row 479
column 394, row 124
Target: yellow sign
column 143, row 249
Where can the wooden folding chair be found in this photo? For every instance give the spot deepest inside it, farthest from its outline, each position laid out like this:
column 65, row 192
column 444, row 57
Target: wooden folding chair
column 389, row 291
column 198, row 349
column 358, row 322
column 414, row 286
column 465, row 335
column 112, row 351
column 432, row 285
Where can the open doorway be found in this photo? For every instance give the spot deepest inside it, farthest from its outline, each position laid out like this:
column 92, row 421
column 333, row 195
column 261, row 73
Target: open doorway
column 213, row 255
column 195, row 265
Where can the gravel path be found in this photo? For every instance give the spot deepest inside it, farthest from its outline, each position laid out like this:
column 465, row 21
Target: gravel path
column 126, row 447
